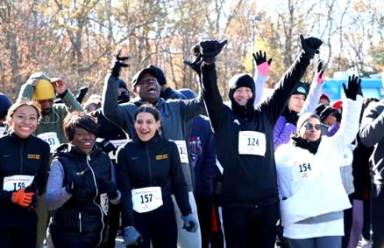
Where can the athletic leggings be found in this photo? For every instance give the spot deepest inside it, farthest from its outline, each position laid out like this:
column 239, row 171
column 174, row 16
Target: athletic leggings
column 158, row 226
column 321, row 242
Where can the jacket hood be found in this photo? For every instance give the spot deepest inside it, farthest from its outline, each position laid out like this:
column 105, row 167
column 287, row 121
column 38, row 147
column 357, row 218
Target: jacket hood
column 237, row 81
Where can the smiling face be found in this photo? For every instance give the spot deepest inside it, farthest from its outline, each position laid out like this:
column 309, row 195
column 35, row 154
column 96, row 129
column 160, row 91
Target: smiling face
column 311, row 130
column 146, row 126
column 24, row 121
column 148, row 88
column 242, row 95
column 83, row 140
column 296, row 102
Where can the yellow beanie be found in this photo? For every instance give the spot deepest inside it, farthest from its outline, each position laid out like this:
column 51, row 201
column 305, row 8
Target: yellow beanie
column 43, row 90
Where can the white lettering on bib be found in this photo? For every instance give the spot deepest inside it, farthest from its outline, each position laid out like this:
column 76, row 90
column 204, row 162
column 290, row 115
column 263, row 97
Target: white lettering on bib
column 146, row 199
column 104, row 203
column 252, row 143
column 183, row 152
column 51, row 138
column 16, row 182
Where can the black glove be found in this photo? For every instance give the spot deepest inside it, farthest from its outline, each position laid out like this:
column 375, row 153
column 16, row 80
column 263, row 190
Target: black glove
column 119, row 62
column 291, row 116
column 261, row 57
column 209, row 49
column 195, row 65
column 75, row 182
column 310, row 45
column 107, row 187
column 320, row 68
column 354, row 87
column 82, row 92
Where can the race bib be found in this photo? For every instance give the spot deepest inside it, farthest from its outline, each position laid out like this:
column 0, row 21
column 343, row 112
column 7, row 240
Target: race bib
column 146, row 199
column 252, row 143
column 16, row 182
column 183, row 152
column 51, row 138
column 118, row 143
column 104, row 203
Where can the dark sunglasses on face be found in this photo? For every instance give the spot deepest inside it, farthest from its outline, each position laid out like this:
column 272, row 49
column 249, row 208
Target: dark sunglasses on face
column 310, row 126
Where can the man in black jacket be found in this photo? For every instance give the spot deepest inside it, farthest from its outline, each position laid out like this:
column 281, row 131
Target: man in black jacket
column 245, row 147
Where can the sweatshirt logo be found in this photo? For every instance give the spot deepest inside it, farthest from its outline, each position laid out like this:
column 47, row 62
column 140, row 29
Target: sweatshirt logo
column 161, row 156
column 33, row 156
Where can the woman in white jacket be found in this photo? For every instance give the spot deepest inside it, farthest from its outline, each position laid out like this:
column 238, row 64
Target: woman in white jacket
column 310, row 187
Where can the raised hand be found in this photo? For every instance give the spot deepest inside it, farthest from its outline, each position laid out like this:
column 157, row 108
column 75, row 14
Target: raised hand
column 354, row 87
column 195, row 65
column 209, row 49
column 118, row 64
column 310, row 45
column 260, row 57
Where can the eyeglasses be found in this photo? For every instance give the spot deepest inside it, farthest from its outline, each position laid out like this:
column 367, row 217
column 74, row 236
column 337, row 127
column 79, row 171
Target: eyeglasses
column 310, row 126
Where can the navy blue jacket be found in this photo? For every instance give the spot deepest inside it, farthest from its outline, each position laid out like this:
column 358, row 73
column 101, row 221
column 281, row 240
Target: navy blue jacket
column 203, row 156
column 21, row 157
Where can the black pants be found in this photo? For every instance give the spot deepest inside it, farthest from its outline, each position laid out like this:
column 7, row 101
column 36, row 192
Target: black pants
column 348, row 218
column 205, row 208
column 378, row 216
column 158, row 226
column 18, row 237
column 250, row 227
column 113, row 225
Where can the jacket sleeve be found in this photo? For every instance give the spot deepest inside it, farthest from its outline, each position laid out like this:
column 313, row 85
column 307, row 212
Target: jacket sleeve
column 372, row 125
column 178, row 181
column 42, row 174
column 124, row 186
column 212, row 97
column 192, row 108
column 282, row 132
column 70, row 102
column 259, row 87
column 313, row 98
column 274, row 105
column 349, row 125
column 56, row 194
column 111, row 109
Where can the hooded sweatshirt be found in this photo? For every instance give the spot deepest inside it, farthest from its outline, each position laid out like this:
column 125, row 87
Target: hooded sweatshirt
column 244, row 135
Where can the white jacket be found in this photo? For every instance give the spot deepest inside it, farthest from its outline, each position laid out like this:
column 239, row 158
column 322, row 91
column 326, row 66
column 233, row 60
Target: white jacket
column 310, row 184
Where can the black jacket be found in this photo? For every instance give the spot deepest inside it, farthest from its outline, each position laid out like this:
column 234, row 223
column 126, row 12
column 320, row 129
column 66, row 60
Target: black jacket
column 21, row 157
column 82, row 217
column 248, row 180
column 153, row 163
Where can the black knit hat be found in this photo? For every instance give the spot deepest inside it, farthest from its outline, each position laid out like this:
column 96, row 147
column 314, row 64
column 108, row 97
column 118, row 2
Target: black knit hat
column 301, row 88
column 326, row 112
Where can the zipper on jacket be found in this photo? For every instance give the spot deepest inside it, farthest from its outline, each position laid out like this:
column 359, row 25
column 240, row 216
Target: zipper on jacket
column 149, row 164
column 80, row 223
column 21, row 158
column 94, row 201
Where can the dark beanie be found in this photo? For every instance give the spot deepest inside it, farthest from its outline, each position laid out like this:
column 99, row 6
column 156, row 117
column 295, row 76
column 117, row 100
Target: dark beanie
column 241, row 80
column 301, row 89
column 159, row 74
column 5, row 104
column 326, row 112
column 320, row 108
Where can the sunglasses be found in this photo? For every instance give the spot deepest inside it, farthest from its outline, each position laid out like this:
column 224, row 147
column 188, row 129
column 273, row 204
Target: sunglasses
column 310, row 126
